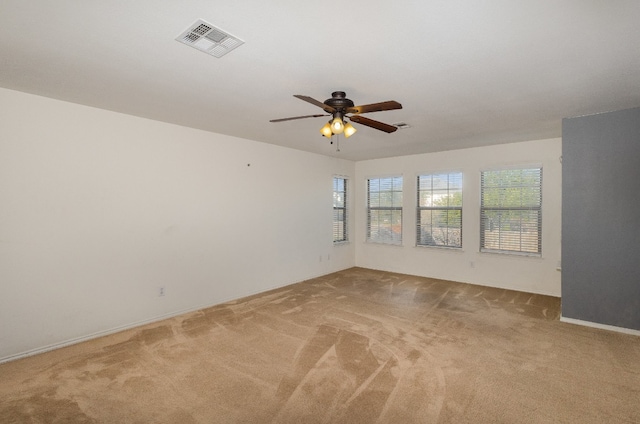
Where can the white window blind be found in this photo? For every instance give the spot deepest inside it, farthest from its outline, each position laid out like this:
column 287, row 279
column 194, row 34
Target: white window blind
column 340, row 233
column 439, row 211
column 511, row 211
column 384, row 210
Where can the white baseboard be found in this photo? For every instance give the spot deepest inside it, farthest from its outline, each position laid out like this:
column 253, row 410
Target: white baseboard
column 92, row 336
column 118, row 329
column 600, row 326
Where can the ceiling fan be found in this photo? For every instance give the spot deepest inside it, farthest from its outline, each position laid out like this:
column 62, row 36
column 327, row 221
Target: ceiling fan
column 338, row 106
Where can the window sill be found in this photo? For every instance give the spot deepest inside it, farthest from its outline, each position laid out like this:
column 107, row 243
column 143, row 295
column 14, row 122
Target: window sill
column 512, row 254
column 375, row 243
column 440, row 248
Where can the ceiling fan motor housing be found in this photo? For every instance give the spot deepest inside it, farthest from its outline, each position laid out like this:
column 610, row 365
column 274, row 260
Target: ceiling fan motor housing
column 339, row 101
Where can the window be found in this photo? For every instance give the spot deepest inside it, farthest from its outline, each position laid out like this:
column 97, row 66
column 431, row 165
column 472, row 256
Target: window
column 340, row 233
column 439, row 213
column 511, row 211
column 384, row 210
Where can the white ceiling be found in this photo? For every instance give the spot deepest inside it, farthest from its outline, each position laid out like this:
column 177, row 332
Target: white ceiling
column 468, row 73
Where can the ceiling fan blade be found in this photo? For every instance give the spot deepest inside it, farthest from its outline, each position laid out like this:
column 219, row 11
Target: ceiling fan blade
column 375, row 107
column 296, row 117
column 313, row 101
column 373, row 124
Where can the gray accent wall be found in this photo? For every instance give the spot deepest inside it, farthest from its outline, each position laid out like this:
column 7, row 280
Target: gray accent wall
column 601, row 218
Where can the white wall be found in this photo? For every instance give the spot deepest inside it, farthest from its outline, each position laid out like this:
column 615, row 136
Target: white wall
column 530, row 274
column 99, row 209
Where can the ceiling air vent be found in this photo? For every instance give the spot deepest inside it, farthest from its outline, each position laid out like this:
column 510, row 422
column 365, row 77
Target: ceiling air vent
column 209, row 39
column 401, row 125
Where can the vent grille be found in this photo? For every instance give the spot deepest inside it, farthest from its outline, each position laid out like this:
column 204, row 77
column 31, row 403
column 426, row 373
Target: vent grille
column 401, row 125
column 201, row 29
column 209, row 39
column 216, row 36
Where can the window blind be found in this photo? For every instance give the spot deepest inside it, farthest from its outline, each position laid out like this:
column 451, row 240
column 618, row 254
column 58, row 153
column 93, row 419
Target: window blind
column 340, row 233
column 439, row 210
column 384, row 210
column 511, row 210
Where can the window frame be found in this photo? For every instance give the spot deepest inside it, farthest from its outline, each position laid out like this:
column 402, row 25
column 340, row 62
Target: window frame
column 533, row 208
column 451, row 188
column 342, row 236
column 394, row 238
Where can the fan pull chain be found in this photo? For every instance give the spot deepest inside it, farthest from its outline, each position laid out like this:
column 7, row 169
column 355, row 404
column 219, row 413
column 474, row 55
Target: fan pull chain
column 337, row 141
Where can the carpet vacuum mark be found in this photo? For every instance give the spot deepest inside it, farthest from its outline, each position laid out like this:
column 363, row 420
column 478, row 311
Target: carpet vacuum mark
column 356, row 346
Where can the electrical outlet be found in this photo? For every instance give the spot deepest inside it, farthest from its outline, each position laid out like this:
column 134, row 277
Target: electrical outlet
column 472, row 264
column 161, row 291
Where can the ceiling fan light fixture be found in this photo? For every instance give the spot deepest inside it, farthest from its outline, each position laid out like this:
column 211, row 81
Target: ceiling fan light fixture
column 326, row 130
column 349, row 130
column 337, row 125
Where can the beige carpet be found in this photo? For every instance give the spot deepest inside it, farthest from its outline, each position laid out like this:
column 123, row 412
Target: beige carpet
column 357, row 346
